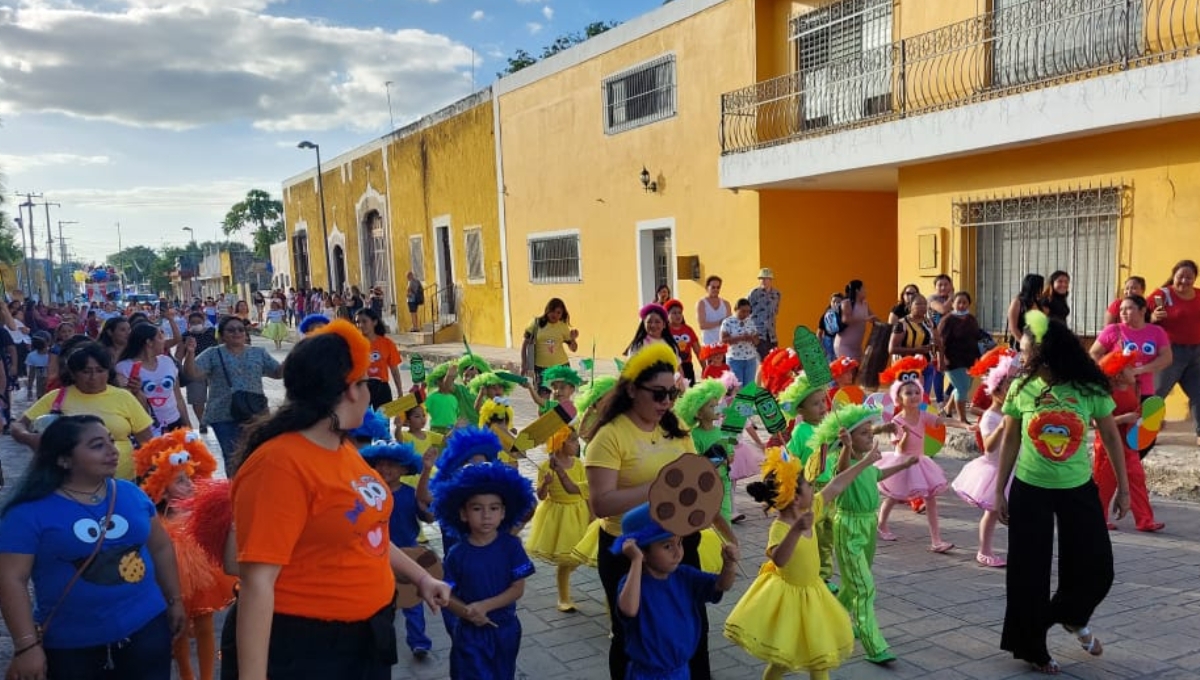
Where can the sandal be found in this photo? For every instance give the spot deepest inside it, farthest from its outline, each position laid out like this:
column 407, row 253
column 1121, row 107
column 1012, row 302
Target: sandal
column 1051, row 667
column 885, row 535
column 990, row 560
column 1090, row 643
column 941, row 548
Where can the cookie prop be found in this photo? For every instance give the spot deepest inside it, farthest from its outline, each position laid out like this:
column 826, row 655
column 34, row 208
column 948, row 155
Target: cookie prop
column 768, row 410
column 686, row 496
column 739, row 411
column 812, row 356
column 398, row 407
column 1146, row 430
column 416, row 368
column 406, row 591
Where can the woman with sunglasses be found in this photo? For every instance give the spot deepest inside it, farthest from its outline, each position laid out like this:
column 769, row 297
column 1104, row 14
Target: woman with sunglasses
column 900, row 309
column 231, row 366
column 635, row 436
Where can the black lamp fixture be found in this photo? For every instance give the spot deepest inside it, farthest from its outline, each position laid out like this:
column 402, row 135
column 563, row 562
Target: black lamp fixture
column 648, row 186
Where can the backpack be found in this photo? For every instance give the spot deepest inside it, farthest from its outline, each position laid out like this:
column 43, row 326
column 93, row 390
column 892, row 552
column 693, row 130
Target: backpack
column 831, row 322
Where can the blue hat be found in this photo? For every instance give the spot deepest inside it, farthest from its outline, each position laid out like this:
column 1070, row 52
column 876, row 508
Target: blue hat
column 493, row 477
column 312, row 320
column 638, row 525
column 375, row 427
column 464, row 444
column 404, row 454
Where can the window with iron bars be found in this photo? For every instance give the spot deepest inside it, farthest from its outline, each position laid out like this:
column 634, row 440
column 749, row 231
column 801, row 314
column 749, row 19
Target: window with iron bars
column 300, row 252
column 554, row 259
column 639, row 96
column 1075, row 231
column 474, row 247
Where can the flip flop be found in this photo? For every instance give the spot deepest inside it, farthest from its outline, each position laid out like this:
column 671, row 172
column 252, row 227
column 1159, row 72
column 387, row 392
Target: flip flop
column 1157, row 526
column 941, row 548
column 990, row 560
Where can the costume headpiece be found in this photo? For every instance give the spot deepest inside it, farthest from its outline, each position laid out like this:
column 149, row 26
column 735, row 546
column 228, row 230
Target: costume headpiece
column 403, row 454
column 160, row 461
column 438, row 374
column 672, row 303
column 795, row 394
column 489, row 379
column 730, row 381
column 1037, row 323
column 782, row 472
column 556, row 440
column 452, row 494
column 652, row 307
column 989, row 360
column 593, row 392
column 688, row 405
column 496, row 408
column 208, row 516
column 641, row 527
column 709, row 351
column 842, row 365
column 473, row 361
column 850, row 416
column 1006, row 367
column 779, row 368
column 311, row 320
column 647, row 356
column 375, row 427
column 465, row 443
column 894, row 390
column 1117, row 361
column 908, row 368
column 563, row 373
column 356, row 343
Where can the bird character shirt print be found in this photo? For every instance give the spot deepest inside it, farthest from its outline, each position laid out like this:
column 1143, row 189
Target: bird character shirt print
column 1054, row 431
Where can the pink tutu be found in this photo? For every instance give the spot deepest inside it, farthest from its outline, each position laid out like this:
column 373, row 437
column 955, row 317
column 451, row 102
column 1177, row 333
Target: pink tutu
column 923, row 479
column 976, row 483
column 747, row 461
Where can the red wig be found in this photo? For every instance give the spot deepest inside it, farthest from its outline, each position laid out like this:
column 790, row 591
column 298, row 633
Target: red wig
column 842, row 365
column 1117, row 361
column 779, row 368
column 989, row 360
column 909, row 364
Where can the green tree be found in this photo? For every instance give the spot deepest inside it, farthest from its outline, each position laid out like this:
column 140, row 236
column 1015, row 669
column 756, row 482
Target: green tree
column 522, row 59
column 261, row 213
column 10, row 252
column 135, row 264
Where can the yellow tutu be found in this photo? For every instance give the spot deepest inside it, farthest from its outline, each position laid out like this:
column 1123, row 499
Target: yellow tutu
column 561, row 520
column 588, row 547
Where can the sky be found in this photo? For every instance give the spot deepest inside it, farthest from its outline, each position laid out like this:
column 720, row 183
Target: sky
column 161, row 114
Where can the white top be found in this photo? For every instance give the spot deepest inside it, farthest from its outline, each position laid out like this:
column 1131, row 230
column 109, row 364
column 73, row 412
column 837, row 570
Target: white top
column 740, row 351
column 158, row 386
column 712, row 336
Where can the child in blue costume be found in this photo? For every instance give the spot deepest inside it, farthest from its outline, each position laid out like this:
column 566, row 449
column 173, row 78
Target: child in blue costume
column 393, row 460
column 660, row 600
column 487, row 568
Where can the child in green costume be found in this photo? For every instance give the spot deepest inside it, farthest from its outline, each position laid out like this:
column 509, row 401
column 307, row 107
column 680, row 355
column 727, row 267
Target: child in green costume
column 854, row 521
column 697, row 408
column 442, row 403
column 562, row 382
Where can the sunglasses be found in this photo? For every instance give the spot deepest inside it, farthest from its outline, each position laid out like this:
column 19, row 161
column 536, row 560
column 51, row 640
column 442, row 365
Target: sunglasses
column 661, row 394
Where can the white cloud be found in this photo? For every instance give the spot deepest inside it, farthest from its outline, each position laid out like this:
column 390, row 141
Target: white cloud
column 216, row 193
column 178, row 64
column 534, row 27
column 548, row 12
column 477, row 15
column 17, row 164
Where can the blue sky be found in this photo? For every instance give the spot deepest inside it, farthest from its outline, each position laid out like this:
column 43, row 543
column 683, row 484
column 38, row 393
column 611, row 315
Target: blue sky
column 160, row 114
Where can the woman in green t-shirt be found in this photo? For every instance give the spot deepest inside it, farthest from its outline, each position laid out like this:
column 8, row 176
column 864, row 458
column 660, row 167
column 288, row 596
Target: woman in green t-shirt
column 1059, row 393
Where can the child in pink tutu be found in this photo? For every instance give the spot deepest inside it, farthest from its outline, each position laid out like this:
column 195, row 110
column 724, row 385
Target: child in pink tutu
column 976, row 484
column 925, row 479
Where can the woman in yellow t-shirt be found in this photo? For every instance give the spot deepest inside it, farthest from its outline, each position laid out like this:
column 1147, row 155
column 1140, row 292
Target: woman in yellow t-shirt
column 635, row 436
column 548, row 337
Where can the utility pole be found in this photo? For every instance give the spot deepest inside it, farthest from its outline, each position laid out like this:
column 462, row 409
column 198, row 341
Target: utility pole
column 62, row 253
column 121, row 270
column 32, row 244
column 49, row 250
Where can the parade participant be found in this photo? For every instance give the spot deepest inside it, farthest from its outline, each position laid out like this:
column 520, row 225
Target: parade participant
column 697, row 408
column 549, row 337
column 481, row 504
column 487, row 386
column 152, row 376
column 385, row 357
column 443, row 403
column 498, row 413
column 274, row 329
column 778, row 369
column 1119, row 366
column 588, row 398
column 1059, row 391
column 298, row 475
column 845, row 372
column 686, row 339
column 562, row 382
column 806, row 402
column 562, row 514
column 470, row 366
column 713, row 357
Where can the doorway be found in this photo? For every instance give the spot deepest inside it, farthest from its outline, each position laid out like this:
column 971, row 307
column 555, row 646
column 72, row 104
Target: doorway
column 443, row 250
column 339, row 269
column 655, row 257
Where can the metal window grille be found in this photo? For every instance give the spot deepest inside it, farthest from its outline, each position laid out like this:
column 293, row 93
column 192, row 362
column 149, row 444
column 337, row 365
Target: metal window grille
column 300, row 251
column 1073, row 230
column 416, row 256
column 663, row 258
column 554, row 259
column 640, row 96
column 375, row 241
column 474, row 246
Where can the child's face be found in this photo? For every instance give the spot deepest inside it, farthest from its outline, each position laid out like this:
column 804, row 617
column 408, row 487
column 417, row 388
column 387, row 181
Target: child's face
column 562, row 390
column 1125, row 377
column 708, row 411
column 846, row 377
column 469, row 373
column 961, row 305
column 416, row 420
column 483, row 513
column 494, row 391
column 477, row 459
column 716, row 360
column 663, row 557
column 180, row 488
column 390, row 470
column 813, row 409
column 862, row 438
column 675, row 316
column 804, row 494
column 910, row 395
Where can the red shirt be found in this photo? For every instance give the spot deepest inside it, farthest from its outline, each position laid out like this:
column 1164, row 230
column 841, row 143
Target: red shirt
column 1183, row 317
column 714, row 371
column 685, row 338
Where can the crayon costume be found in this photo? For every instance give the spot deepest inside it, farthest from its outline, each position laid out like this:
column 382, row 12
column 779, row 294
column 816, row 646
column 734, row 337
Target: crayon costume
column 788, row 617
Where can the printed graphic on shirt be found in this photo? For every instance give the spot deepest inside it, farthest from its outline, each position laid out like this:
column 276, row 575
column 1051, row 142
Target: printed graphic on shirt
column 1149, row 349
column 114, row 566
column 1057, row 434
column 372, row 494
column 158, row 392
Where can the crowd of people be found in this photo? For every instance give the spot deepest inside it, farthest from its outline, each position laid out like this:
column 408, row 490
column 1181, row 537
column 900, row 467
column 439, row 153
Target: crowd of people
column 132, row 543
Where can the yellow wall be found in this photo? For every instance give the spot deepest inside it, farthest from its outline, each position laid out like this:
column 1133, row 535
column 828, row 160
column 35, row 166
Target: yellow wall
column 562, row 172
column 817, row 241
column 1159, row 163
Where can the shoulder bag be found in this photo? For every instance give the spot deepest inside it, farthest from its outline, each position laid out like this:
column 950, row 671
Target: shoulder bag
column 243, row 405
column 112, row 505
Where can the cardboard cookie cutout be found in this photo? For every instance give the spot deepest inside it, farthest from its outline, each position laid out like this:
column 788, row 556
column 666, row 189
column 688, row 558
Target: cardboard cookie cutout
column 686, row 496
column 416, row 368
column 812, row 356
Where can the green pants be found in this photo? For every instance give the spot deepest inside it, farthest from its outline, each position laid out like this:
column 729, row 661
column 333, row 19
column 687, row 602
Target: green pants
column 854, row 540
column 825, row 540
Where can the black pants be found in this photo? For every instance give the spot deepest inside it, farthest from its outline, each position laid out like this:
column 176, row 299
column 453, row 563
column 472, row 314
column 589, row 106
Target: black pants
column 381, row 392
column 144, row 655
column 688, row 369
column 1085, row 564
column 612, row 568
column 310, row 649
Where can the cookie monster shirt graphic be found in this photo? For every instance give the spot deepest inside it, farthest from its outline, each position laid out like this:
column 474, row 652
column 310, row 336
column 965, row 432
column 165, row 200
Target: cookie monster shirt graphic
column 1054, row 431
column 117, row 594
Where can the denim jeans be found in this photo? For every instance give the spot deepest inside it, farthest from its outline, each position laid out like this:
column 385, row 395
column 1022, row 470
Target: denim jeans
column 743, row 370
column 1184, row 371
column 228, row 434
column 144, row 655
column 414, row 628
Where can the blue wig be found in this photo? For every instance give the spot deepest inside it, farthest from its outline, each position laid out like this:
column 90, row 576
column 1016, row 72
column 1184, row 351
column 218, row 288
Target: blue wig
column 311, row 320
column 375, row 427
column 403, row 454
column 483, row 478
column 464, row 444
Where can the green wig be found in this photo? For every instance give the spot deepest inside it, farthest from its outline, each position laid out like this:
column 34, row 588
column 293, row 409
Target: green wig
column 489, row 379
column 438, row 374
column 795, row 394
column 688, row 405
column 850, row 416
column 563, row 373
column 594, row 392
column 473, row 360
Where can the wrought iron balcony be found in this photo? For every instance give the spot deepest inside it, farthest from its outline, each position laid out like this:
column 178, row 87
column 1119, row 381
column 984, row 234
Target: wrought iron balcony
column 1030, row 45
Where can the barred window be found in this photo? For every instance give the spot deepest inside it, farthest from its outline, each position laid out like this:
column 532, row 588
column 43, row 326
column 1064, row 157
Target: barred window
column 640, row 95
column 300, row 252
column 416, row 256
column 554, row 259
column 1075, row 231
column 474, row 247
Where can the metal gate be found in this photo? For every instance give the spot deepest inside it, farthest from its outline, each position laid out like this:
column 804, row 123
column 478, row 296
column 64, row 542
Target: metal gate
column 375, row 257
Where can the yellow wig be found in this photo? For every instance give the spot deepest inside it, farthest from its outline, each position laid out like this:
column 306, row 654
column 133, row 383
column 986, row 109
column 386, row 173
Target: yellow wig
column 784, row 469
column 356, row 343
column 495, row 409
column 654, row 353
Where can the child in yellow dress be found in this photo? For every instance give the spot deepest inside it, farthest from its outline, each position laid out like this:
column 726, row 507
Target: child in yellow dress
column 788, row 617
column 562, row 514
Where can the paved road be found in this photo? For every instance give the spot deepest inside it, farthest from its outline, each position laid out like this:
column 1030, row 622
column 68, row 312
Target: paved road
column 941, row 613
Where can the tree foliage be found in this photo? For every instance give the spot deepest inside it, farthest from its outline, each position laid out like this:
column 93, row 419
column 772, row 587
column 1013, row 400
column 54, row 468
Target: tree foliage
column 522, row 59
column 10, row 252
column 260, row 213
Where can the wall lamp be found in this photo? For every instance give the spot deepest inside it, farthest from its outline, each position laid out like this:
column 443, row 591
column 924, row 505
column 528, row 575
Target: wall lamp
column 648, row 185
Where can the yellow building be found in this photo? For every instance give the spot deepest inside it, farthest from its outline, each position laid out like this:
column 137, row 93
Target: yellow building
column 577, row 129
column 1008, row 136
column 421, row 199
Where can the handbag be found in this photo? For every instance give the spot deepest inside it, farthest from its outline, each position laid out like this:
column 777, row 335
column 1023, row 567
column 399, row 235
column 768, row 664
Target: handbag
column 112, row 505
column 243, row 405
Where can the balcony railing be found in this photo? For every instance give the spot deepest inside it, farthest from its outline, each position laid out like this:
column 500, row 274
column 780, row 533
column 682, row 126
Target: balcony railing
column 1017, row 47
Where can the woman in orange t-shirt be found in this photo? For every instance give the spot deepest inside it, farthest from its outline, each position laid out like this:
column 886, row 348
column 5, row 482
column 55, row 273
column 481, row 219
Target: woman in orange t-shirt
column 385, row 357
column 311, row 523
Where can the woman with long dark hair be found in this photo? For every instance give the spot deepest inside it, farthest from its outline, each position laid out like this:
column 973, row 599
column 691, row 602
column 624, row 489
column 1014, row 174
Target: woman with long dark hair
column 1058, row 394
column 855, row 315
column 652, row 328
column 103, row 569
column 299, row 473
column 1054, row 298
column 385, row 357
column 152, row 376
column 114, row 335
column 1030, row 297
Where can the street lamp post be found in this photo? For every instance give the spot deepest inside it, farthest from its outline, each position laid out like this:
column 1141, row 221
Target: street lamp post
column 321, row 197
column 191, row 234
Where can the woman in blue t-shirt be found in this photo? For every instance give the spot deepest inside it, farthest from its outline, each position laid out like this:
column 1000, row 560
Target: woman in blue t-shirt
column 107, row 588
